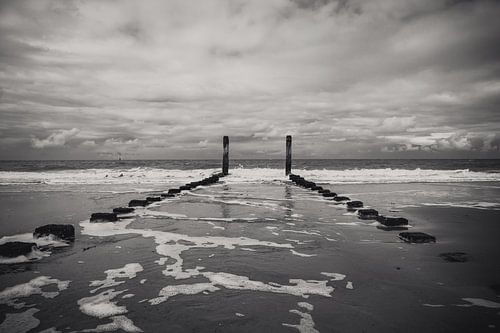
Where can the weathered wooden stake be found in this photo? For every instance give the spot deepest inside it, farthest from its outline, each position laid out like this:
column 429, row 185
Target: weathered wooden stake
column 288, row 164
column 225, row 156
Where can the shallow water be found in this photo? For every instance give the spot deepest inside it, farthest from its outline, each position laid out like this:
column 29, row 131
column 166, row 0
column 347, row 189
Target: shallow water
column 253, row 256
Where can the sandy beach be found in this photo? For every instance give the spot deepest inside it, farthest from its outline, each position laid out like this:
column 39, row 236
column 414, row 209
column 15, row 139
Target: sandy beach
column 258, row 256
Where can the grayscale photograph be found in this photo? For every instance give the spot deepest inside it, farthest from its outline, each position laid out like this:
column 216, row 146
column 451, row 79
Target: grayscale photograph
column 249, row 166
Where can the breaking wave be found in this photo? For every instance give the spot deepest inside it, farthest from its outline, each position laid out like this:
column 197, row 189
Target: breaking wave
column 144, row 175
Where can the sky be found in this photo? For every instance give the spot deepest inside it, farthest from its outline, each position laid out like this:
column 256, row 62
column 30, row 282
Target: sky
column 167, row 79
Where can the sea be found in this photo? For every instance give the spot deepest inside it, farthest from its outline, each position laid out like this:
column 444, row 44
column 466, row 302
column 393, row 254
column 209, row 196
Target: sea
column 349, row 171
column 252, row 252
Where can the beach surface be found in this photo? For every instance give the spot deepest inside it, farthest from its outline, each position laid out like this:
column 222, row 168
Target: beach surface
column 255, row 255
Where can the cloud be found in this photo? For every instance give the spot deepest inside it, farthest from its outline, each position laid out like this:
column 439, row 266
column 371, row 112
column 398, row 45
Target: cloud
column 56, row 139
column 203, row 143
column 156, row 78
column 88, row 143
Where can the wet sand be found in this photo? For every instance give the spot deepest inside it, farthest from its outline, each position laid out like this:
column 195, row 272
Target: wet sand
column 192, row 271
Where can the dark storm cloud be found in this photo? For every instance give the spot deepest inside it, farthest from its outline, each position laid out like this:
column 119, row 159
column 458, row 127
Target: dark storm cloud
column 347, row 78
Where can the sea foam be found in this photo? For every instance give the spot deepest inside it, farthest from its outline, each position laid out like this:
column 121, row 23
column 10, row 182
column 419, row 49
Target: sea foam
column 128, row 271
column 34, row 287
column 156, row 176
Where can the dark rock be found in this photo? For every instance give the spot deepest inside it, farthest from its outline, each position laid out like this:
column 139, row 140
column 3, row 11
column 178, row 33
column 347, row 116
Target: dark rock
column 317, row 188
column 174, row 191
column 454, row 256
column 63, row 231
column 341, row 198
column 138, row 203
column 16, row 249
column 329, row 194
column 352, row 205
column 300, row 182
column 185, row 188
column 324, row 191
column 310, row 185
column 153, row 199
column 390, row 221
column 367, row 214
column 167, row 195
column 123, row 210
column 417, row 237
column 103, row 217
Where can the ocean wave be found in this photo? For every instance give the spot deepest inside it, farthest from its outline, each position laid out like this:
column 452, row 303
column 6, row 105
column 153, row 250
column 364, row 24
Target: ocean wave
column 144, row 175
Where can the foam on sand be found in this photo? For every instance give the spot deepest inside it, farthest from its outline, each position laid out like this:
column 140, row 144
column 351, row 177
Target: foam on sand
column 306, row 324
column 172, row 245
column 482, row 302
column 117, row 323
column 305, row 232
column 473, row 205
column 182, row 289
column 302, row 254
column 21, row 322
column 297, row 287
column 100, row 305
column 305, row 305
column 34, row 287
column 128, row 271
column 334, row 276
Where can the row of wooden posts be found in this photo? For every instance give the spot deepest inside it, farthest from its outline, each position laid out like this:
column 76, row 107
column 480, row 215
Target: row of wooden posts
column 225, row 155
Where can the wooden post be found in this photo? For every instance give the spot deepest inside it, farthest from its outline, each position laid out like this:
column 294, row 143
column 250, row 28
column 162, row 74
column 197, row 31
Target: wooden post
column 225, row 156
column 288, row 164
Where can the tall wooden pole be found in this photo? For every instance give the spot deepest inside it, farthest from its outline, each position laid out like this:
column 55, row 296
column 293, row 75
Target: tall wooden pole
column 288, row 164
column 225, row 156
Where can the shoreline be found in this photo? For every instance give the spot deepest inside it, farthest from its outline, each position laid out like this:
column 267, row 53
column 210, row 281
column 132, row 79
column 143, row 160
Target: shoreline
column 386, row 281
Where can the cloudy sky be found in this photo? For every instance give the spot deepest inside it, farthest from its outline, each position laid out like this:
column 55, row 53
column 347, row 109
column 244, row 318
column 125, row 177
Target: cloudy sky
column 166, row 79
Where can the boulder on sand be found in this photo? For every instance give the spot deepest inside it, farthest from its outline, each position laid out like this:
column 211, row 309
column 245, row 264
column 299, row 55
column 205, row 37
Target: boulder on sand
column 167, row 195
column 63, row 231
column 138, row 203
column 16, row 249
column 174, row 191
column 103, row 217
column 185, row 187
column 417, row 237
column 391, row 221
column 309, row 185
column 367, row 214
column 123, row 210
column 324, row 190
column 352, row 205
column 341, row 198
column 329, row 194
column 153, row 199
